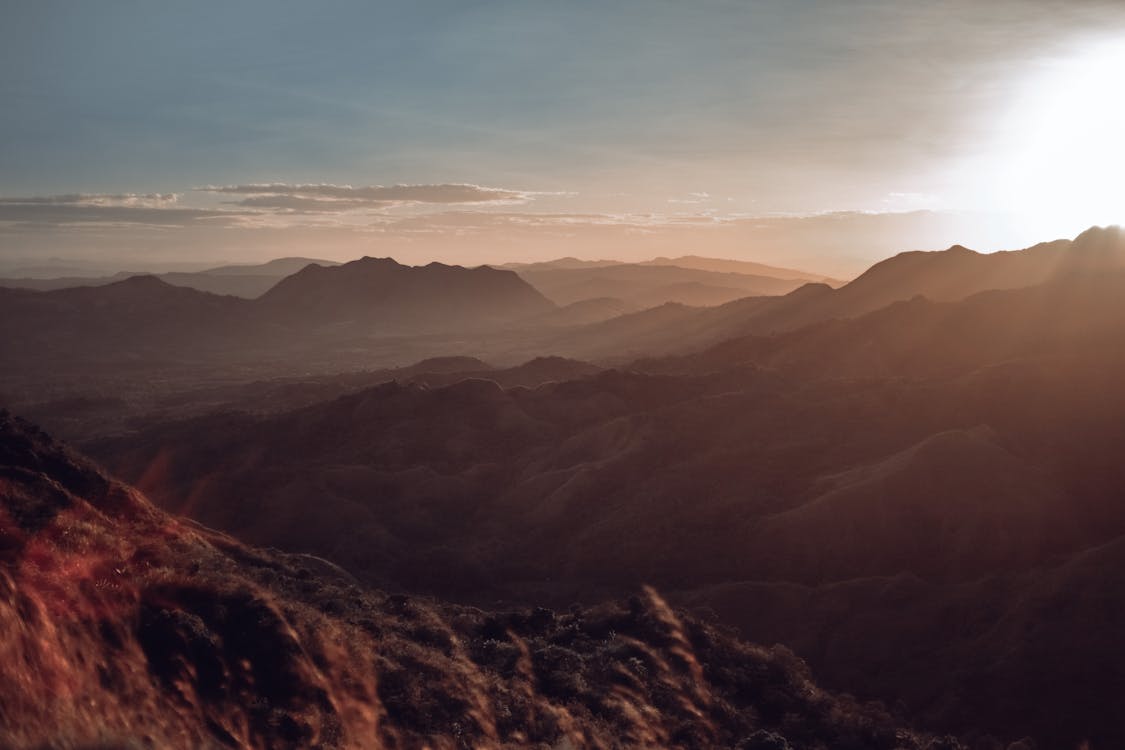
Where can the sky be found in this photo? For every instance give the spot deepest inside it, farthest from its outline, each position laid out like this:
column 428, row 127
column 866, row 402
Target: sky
column 818, row 134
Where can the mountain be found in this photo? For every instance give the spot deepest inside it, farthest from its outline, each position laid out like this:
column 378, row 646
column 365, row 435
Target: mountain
column 729, row 265
column 377, row 313
column 364, row 313
column 278, row 267
column 140, row 313
column 1070, row 315
column 957, row 273
column 943, row 276
column 247, row 281
column 644, row 285
column 125, row 626
column 559, row 263
column 382, row 291
column 587, row 311
column 897, row 483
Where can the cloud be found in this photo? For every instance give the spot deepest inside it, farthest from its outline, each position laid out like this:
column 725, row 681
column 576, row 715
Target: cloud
column 692, row 198
column 322, row 197
column 120, row 208
column 303, row 204
column 257, row 204
column 132, row 200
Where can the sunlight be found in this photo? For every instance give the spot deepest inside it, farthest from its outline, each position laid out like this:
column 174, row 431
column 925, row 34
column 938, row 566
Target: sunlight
column 1062, row 155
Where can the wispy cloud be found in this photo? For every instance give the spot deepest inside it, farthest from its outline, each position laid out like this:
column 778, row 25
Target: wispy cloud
column 115, row 208
column 329, row 198
column 256, row 203
column 131, row 200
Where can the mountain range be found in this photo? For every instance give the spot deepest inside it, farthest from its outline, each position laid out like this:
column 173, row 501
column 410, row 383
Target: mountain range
column 922, row 499
column 689, row 279
column 379, row 313
column 729, row 265
column 319, row 311
column 913, row 480
column 649, row 284
column 237, row 280
column 942, row 276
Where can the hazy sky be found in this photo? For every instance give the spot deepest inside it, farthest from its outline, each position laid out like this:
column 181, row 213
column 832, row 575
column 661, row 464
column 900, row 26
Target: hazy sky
column 486, row 131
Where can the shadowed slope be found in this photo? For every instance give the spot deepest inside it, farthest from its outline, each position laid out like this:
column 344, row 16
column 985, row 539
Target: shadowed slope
column 123, row 626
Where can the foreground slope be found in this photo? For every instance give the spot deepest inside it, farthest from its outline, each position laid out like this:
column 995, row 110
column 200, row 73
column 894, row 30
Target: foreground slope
column 123, row 626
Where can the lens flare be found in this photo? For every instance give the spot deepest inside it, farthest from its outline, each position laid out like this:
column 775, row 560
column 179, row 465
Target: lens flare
column 1062, row 152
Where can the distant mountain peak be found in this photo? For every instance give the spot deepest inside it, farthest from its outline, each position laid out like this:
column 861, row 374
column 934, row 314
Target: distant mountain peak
column 1112, row 232
column 144, row 280
column 811, row 289
column 373, row 261
column 1096, row 249
column 395, row 295
column 1111, row 239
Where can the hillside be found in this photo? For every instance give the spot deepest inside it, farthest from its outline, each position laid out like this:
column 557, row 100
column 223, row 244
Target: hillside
column 809, row 461
column 111, row 410
column 138, row 314
column 128, row 627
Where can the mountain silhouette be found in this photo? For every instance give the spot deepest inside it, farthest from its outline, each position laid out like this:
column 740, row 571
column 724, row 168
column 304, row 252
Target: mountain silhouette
column 312, row 315
column 942, row 276
column 393, row 295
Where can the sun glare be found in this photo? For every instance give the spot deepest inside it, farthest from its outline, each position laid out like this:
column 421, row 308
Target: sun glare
column 1063, row 150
